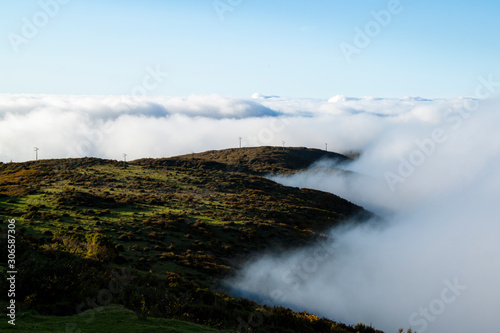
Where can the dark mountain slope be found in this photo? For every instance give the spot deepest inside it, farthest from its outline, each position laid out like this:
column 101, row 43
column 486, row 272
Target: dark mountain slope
column 258, row 160
column 178, row 224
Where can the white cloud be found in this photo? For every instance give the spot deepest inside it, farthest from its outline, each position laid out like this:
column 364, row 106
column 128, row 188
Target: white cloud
column 107, row 126
column 442, row 216
column 261, row 96
column 441, row 228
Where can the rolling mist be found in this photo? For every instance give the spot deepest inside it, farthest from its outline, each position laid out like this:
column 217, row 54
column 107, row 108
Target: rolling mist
column 108, row 126
column 428, row 168
column 433, row 263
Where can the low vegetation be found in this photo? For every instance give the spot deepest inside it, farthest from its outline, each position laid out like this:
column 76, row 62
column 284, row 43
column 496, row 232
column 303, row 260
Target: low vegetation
column 156, row 236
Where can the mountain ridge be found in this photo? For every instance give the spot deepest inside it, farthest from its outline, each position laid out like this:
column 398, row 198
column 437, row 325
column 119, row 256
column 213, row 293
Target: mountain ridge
column 196, row 218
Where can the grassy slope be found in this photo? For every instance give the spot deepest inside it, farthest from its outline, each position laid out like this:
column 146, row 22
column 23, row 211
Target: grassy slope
column 183, row 216
column 260, row 160
column 196, row 215
column 109, row 319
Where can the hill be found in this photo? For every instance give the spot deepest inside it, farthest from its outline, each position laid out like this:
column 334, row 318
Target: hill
column 259, row 160
column 176, row 225
column 110, row 319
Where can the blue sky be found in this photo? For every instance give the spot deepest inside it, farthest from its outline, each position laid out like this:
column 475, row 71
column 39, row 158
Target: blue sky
column 286, row 48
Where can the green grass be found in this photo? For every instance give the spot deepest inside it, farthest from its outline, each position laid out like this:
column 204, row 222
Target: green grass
column 108, row 319
column 199, row 216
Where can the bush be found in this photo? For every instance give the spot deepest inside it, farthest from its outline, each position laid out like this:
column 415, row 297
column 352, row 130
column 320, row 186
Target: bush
column 100, row 247
column 55, row 282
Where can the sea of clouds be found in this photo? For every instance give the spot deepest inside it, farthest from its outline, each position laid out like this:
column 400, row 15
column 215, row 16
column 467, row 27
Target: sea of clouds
column 429, row 168
column 108, row 126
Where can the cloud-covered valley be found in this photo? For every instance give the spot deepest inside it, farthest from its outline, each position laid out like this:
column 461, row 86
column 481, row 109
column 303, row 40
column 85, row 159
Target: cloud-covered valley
column 433, row 264
column 108, row 126
column 429, row 168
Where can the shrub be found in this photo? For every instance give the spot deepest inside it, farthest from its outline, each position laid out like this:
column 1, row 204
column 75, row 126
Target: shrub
column 53, row 281
column 100, row 247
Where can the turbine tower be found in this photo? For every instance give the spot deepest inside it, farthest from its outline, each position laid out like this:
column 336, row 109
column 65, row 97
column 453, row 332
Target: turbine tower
column 124, row 157
column 36, row 153
column 240, row 141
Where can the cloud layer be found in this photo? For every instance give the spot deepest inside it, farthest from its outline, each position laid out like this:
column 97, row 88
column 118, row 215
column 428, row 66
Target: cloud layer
column 107, row 126
column 434, row 264
column 429, row 167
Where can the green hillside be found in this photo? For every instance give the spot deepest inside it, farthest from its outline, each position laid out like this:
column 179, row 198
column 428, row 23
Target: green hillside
column 260, row 160
column 111, row 319
column 175, row 227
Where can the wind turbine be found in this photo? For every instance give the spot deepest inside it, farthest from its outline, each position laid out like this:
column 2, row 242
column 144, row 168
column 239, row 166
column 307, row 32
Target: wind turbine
column 240, row 141
column 36, row 153
column 125, row 157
